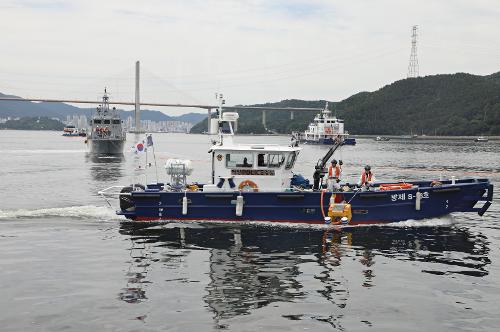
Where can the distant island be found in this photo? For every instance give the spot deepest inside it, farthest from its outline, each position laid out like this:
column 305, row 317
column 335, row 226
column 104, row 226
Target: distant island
column 453, row 105
column 33, row 123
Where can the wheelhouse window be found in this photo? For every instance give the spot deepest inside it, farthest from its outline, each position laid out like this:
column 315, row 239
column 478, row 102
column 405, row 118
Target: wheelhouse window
column 291, row 160
column 235, row 160
column 107, row 121
column 96, row 121
column 116, row 121
column 271, row 160
column 275, row 160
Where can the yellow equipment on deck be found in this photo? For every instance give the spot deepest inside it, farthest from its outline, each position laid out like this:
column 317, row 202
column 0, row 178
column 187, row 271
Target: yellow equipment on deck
column 337, row 211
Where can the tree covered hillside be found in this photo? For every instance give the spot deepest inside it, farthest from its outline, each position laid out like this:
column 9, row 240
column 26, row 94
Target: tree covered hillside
column 34, row 123
column 458, row 104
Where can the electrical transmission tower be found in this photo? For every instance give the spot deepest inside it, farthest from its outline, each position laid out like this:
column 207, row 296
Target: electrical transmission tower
column 413, row 65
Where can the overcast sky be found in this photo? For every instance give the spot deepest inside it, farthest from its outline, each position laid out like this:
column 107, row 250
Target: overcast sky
column 253, row 51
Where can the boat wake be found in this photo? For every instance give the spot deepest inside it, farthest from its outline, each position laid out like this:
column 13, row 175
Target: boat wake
column 432, row 222
column 105, row 213
column 93, row 212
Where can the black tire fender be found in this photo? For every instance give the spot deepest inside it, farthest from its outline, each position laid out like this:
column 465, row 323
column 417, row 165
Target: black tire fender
column 126, row 202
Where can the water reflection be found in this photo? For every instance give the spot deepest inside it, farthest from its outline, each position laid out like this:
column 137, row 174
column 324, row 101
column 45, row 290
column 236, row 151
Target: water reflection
column 104, row 168
column 137, row 271
column 253, row 267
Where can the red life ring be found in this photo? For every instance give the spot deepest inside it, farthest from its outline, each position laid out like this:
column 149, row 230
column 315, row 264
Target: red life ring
column 245, row 185
column 395, row 186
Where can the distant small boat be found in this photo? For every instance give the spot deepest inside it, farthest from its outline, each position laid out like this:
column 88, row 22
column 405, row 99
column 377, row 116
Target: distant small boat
column 481, row 139
column 382, row 139
column 72, row 131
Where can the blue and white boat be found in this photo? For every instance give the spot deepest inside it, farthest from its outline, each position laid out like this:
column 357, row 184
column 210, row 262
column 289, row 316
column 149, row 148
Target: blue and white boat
column 72, row 131
column 325, row 129
column 255, row 182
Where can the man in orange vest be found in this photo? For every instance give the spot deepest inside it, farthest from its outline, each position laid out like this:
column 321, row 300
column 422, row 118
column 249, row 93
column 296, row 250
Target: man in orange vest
column 334, row 172
column 367, row 178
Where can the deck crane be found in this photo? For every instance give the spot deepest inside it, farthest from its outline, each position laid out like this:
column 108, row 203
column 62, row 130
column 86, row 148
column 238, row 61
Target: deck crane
column 320, row 169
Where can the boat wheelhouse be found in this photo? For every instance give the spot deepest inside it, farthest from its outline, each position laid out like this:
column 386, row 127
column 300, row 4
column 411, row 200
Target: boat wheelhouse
column 252, row 167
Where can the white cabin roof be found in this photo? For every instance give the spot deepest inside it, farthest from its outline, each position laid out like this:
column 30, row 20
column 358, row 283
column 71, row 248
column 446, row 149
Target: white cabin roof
column 255, row 147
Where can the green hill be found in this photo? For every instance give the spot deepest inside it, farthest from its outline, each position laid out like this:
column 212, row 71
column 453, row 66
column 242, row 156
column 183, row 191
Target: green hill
column 37, row 123
column 457, row 104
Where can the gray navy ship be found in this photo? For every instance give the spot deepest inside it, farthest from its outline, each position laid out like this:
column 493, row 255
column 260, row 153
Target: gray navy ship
column 106, row 134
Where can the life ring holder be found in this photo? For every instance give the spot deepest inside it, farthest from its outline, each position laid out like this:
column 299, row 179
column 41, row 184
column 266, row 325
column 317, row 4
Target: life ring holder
column 248, row 183
column 395, row 186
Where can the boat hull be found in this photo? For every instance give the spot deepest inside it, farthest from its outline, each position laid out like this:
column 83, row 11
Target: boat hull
column 330, row 141
column 106, row 146
column 305, row 207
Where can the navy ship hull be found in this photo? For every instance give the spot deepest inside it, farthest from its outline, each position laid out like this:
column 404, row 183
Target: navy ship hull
column 106, row 146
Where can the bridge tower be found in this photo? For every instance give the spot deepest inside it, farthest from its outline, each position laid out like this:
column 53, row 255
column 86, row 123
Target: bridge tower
column 137, row 111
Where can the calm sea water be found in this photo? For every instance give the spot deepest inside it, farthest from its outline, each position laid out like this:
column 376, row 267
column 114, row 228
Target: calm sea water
column 69, row 263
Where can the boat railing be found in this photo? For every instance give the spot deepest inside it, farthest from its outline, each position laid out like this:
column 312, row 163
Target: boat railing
column 105, row 192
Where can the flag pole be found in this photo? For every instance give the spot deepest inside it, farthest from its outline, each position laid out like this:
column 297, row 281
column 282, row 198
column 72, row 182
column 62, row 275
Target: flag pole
column 156, row 168
column 149, row 142
column 146, row 166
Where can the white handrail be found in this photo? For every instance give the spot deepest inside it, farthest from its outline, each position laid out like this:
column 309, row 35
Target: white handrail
column 105, row 192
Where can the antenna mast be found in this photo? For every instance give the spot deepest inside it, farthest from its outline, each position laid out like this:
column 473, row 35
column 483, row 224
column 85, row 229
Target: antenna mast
column 413, row 65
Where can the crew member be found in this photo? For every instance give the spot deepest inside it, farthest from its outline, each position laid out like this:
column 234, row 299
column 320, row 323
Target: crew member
column 367, row 178
column 334, row 172
column 340, row 170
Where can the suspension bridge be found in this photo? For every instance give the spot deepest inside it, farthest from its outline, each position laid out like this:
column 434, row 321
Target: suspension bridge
column 137, row 103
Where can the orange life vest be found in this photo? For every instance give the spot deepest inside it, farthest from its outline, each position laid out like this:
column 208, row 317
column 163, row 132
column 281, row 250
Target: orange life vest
column 363, row 177
column 338, row 170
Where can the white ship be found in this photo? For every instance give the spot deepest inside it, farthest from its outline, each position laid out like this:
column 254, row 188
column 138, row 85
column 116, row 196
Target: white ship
column 325, row 129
